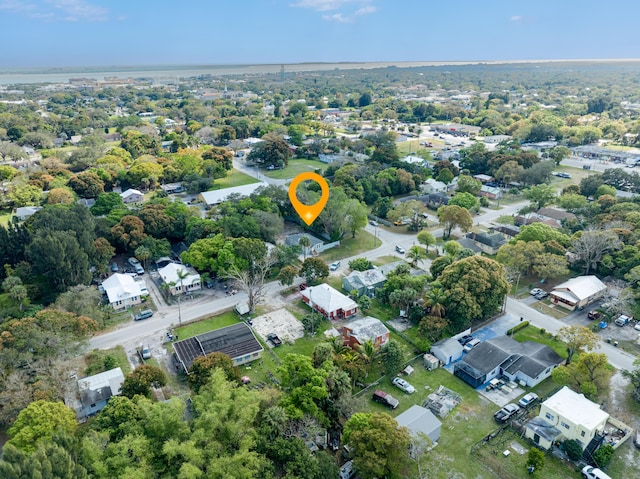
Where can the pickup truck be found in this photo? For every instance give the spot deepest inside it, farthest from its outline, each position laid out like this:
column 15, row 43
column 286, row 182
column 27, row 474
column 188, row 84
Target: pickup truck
column 274, row 340
column 594, row 314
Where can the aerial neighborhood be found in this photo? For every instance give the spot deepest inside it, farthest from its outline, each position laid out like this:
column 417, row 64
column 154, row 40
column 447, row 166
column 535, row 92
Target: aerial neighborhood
column 465, row 304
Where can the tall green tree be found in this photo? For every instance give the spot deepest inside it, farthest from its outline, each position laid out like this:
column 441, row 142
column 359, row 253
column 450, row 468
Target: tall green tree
column 38, row 421
column 381, row 447
column 454, row 216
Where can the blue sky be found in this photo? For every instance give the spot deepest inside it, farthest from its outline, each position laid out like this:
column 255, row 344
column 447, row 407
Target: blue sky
column 57, row 33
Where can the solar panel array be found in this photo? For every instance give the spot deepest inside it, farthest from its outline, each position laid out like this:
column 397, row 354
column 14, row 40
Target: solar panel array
column 236, row 341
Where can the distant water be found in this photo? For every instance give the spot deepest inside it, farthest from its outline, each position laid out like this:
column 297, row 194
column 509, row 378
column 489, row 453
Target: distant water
column 62, row 75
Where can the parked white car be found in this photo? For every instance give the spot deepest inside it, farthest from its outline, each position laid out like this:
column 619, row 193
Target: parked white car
column 403, row 385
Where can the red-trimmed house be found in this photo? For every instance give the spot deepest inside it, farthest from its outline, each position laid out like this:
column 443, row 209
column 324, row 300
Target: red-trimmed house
column 329, row 302
column 356, row 333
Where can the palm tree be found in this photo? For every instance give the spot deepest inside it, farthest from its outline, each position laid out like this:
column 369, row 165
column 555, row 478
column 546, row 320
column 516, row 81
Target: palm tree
column 304, row 242
column 182, row 274
column 368, row 353
column 415, row 255
column 435, row 298
column 337, row 343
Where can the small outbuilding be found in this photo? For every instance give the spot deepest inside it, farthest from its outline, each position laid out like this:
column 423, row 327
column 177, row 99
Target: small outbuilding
column 419, row 420
column 578, row 292
column 447, row 350
column 95, row 391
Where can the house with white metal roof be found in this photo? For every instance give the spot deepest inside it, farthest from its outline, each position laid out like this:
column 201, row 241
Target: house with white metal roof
column 95, row 391
column 131, row 196
column 122, row 291
column 330, row 302
column 578, row 292
column 188, row 283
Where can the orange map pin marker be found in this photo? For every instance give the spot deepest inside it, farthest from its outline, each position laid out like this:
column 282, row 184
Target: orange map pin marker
column 309, row 213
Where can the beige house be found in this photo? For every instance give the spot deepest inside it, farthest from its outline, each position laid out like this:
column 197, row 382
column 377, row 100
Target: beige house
column 131, row 196
column 578, row 292
column 189, row 282
column 566, row 415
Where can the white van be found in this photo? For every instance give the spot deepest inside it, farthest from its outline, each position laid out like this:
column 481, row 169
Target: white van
column 590, row 472
column 347, row 471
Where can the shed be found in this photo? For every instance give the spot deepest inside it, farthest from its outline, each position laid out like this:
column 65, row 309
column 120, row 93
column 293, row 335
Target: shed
column 419, row 420
column 430, row 362
column 447, row 350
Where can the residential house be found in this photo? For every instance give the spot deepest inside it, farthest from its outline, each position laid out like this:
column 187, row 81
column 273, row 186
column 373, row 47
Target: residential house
column 356, row 333
column 491, row 192
column 23, row 212
column 508, row 230
column 433, row 186
column 131, row 196
column 314, row 243
column 525, row 362
column 122, row 291
column 236, row 341
column 86, row 202
column 578, row 292
column 170, row 276
column 211, row 198
column 436, row 200
column 554, row 214
column 531, row 218
column 457, row 129
column 95, row 391
column 419, row 420
column 414, row 160
column 447, row 350
column 172, row 188
column 469, row 244
column 484, row 179
column 364, row 282
column 332, row 304
column 567, row 415
column 488, row 243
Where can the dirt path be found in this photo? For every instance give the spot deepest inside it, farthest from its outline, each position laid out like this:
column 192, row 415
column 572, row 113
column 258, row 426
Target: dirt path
column 616, row 408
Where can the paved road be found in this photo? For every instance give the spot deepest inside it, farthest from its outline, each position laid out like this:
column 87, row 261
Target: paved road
column 596, row 165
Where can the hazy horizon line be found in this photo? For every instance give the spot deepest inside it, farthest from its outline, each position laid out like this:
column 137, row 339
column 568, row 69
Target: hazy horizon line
column 308, row 63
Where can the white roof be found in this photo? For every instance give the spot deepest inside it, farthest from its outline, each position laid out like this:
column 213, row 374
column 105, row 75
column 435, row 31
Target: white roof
column 169, row 274
column 436, row 184
column 413, row 159
column 581, row 288
column 576, row 408
column 130, row 192
column 112, row 378
column 120, row 287
column 328, row 298
column 218, row 196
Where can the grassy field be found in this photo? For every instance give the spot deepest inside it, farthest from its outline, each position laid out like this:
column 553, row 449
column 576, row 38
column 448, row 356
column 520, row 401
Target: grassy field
column 5, row 216
column 382, row 260
column 531, row 333
column 349, row 247
column 99, row 360
column 234, row 178
column 294, row 168
column 214, row 322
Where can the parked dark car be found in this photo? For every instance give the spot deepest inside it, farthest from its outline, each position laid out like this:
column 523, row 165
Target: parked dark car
column 465, row 339
column 385, row 399
column 594, row 315
column 274, row 340
column 541, row 295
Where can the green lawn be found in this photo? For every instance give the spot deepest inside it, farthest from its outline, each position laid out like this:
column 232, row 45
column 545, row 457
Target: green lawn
column 294, row 168
column 5, row 216
column 531, row 333
column 100, row 360
column 382, row 260
column 350, row 247
column 202, row 326
column 234, row 178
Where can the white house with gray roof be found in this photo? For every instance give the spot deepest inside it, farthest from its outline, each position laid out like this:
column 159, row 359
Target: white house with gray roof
column 447, row 350
column 364, row 282
column 419, row 420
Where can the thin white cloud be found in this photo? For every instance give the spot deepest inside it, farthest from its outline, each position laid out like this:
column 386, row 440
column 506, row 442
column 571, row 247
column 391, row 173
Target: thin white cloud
column 366, row 10
column 56, row 10
column 337, row 17
column 79, row 10
column 325, row 5
column 16, row 6
column 516, row 18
